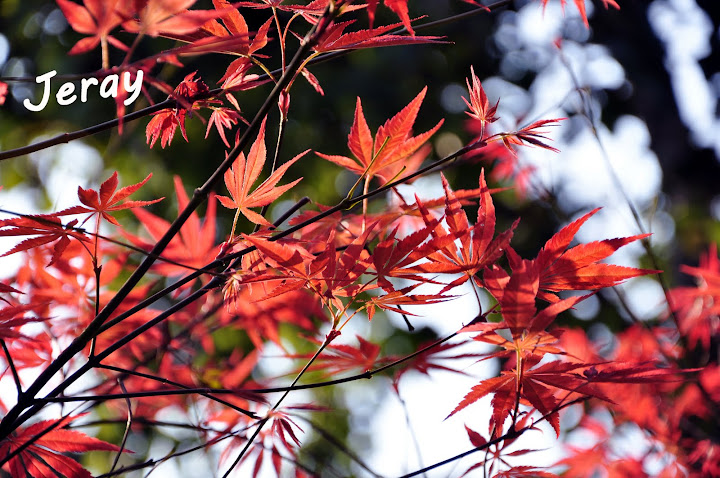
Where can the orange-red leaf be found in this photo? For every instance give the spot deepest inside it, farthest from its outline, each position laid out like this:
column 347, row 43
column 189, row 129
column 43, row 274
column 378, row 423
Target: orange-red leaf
column 107, row 199
column 578, row 268
column 393, row 141
column 44, row 457
column 243, row 174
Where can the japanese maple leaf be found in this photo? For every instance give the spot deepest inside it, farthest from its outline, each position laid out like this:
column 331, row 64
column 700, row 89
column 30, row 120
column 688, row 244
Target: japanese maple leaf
column 45, row 456
column 479, row 105
column 334, row 39
column 344, row 268
column 164, row 122
column 478, row 249
column 532, row 135
column 527, row 328
column 697, row 308
column 107, row 199
column 222, row 118
column 97, row 18
column 392, row 143
column 525, row 471
column 13, row 317
column 392, row 300
column 331, row 274
column 432, row 358
column 193, row 247
column 8, row 289
column 391, row 255
column 536, row 385
column 290, row 264
column 163, row 125
column 398, row 6
column 46, row 229
column 240, row 178
column 156, row 17
column 578, row 268
column 339, row 358
column 233, row 27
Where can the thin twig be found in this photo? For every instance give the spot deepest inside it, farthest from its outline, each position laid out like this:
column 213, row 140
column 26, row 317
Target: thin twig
column 128, row 423
column 265, row 419
column 512, row 433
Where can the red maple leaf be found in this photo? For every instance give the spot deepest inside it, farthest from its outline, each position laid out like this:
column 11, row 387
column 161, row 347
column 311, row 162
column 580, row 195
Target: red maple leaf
column 46, row 229
column 338, row 358
column 531, row 384
column 334, row 39
column 13, row 317
column 392, row 143
column 392, row 300
column 107, row 199
column 194, row 246
column 578, row 268
column 223, row 118
column 479, row 105
column 233, row 32
column 331, row 274
column 400, row 8
column 157, row 17
column 697, row 308
column 477, row 249
column 531, row 134
column 44, row 457
column 97, row 18
column 391, row 257
column 240, row 178
column 164, row 123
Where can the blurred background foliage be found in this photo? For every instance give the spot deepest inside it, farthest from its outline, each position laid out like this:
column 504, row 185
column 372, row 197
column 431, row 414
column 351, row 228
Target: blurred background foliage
column 35, row 39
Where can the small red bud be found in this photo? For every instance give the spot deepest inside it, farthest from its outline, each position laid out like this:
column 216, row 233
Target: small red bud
column 284, row 103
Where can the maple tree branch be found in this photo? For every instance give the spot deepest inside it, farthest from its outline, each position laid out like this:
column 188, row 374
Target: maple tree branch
column 67, row 137
column 411, row 430
column 148, row 422
column 156, row 462
column 13, row 370
column 205, row 392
